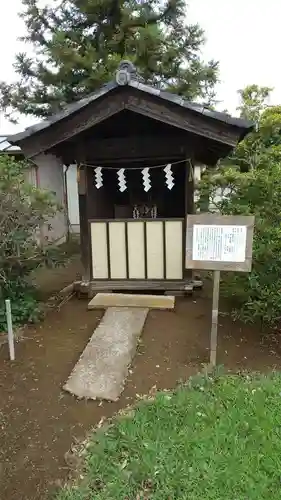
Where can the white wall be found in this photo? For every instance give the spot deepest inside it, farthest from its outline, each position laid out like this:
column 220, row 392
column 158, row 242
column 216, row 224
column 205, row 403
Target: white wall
column 72, row 198
column 50, row 177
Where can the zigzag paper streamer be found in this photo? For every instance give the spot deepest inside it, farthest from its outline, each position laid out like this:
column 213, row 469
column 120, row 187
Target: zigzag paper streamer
column 146, row 179
column 121, row 180
column 98, row 177
column 169, row 176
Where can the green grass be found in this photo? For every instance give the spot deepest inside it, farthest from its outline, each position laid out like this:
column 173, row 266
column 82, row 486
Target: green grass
column 215, row 439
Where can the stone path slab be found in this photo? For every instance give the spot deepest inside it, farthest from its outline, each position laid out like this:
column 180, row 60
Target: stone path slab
column 102, row 369
column 104, row 300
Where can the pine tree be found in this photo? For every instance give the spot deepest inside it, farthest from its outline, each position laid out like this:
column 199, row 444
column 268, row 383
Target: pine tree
column 78, row 45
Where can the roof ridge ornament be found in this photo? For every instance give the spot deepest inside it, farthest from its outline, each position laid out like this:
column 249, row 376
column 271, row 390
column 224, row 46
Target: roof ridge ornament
column 126, row 72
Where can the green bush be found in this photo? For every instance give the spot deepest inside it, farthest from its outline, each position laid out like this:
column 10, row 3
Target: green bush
column 23, row 209
column 255, row 297
column 24, row 303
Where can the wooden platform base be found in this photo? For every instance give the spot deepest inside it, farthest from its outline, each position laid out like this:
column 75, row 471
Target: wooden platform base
column 91, row 288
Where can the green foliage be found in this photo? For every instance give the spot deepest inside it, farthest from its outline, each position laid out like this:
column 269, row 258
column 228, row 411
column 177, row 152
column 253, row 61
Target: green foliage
column 263, row 144
column 250, row 183
column 217, row 439
column 253, row 100
column 254, row 106
column 23, row 209
column 24, row 303
column 255, row 296
column 78, row 45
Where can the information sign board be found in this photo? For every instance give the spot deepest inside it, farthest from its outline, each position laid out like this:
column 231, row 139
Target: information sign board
column 218, row 243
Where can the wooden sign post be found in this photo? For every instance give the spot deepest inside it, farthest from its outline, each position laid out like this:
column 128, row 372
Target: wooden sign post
column 215, row 318
column 219, row 243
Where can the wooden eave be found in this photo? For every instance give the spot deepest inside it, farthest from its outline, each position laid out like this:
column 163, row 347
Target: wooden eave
column 139, row 102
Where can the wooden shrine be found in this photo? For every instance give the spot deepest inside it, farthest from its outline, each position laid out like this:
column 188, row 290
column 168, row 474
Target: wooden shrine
column 136, row 147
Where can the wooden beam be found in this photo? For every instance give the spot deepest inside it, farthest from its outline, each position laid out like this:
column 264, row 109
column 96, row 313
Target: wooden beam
column 182, row 118
column 141, row 148
column 87, row 117
column 131, row 148
column 189, row 187
column 201, row 155
column 189, row 209
column 153, row 285
column 84, row 226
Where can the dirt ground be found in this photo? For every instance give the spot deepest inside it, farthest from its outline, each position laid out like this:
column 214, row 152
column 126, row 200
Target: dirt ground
column 39, row 421
column 50, row 281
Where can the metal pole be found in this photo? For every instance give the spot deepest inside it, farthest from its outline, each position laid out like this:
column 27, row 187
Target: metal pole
column 215, row 314
column 10, row 330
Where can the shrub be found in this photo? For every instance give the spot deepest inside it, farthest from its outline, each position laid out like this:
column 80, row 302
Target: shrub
column 23, row 209
column 255, row 296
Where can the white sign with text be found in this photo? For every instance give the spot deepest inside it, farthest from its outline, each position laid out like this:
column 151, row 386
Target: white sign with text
column 219, row 243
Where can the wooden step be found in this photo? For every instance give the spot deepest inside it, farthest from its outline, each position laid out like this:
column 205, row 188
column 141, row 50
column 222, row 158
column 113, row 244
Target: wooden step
column 104, row 300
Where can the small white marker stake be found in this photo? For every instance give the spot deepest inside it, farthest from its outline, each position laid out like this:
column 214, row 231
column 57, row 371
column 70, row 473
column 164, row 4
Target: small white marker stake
column 10, row 330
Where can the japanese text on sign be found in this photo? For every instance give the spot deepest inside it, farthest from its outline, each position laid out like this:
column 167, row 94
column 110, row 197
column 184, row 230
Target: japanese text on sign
column 219, row 243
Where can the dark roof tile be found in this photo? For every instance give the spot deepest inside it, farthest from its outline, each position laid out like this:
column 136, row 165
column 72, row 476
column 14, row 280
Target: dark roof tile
column 244, row 125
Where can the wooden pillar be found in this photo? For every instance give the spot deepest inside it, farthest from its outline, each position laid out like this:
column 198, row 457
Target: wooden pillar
column 189, row 188
column 84, row 225
column 93, row 204
column 189, row 204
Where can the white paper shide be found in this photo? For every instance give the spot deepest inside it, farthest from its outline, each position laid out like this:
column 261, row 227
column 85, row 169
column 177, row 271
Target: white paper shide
column 219, row 243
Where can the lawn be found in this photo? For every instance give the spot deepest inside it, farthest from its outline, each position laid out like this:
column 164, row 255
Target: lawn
column 217, row 438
